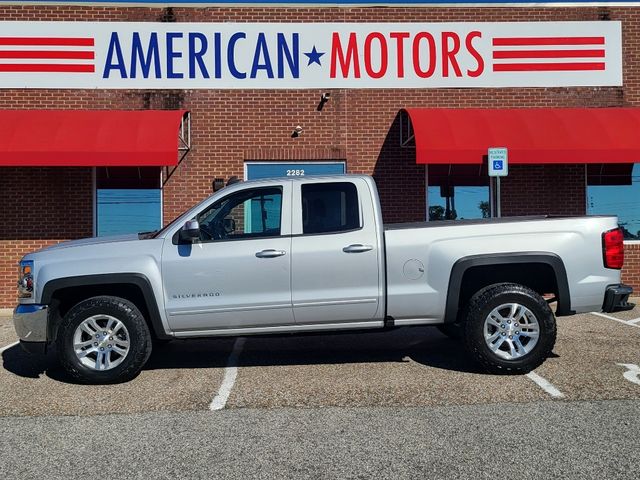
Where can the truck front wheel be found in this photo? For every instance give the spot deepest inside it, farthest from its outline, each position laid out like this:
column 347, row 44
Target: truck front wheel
column 509, row 329
column 103, row 340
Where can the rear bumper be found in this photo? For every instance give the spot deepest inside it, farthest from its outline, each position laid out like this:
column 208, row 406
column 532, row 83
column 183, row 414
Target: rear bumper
column 616, row 298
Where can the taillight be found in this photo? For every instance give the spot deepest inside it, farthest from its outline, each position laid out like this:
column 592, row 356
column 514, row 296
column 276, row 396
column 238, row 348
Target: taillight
column 613, row 248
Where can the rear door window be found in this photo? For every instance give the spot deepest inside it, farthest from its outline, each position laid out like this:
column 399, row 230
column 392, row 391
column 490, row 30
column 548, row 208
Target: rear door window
column 329, row 207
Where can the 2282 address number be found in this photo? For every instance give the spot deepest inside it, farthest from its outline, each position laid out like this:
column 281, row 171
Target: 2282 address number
column 295, row 173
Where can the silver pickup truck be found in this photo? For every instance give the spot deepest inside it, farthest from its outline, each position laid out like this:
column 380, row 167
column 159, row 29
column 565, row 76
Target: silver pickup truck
column 309, row 254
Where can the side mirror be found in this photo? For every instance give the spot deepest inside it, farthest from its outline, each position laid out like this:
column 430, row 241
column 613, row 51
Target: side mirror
column 190, row 230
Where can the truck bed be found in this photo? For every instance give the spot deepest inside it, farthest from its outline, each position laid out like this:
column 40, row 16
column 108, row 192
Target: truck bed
column 420, row 257
column 482, row 221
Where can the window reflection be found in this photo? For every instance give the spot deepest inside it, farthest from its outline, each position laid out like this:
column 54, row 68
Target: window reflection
column 622, row 200
column 457, row 203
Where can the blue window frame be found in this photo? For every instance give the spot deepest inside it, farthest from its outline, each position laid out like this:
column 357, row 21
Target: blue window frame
column 128, row 200
column 121, row 211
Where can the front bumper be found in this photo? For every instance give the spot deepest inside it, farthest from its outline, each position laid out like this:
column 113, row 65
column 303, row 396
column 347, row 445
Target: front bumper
column 30, row 322
column 616, row 298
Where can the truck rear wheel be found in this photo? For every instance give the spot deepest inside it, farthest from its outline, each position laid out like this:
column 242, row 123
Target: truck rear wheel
column 103, row 340
column 509, row 329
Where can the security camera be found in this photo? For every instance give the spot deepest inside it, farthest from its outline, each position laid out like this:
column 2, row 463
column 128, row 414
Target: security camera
column 296, row 131
column 217, row 184
column 233, row 179
column 324, row 98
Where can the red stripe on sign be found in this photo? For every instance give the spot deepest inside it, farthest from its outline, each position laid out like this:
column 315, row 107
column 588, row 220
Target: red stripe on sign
column 548, row 53
column 45, row 67
column 66, row 41
column 46, row 54
column 514, row 41
column 546, row 67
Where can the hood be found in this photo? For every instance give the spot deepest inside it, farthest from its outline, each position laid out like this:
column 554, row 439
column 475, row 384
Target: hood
column 92, row 241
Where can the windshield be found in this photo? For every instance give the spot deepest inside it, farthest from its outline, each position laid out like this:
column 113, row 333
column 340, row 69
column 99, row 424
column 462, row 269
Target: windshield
column 157, row 233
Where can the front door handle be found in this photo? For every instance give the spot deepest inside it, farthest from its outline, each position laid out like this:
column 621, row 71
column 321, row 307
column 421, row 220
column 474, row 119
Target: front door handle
column 357, row 248
column 270, row 253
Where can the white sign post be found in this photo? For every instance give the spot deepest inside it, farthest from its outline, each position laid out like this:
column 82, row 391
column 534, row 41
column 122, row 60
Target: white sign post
column 498, row 167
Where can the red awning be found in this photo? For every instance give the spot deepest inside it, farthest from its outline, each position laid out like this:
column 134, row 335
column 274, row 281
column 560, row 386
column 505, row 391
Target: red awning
column 532, row 135
column 89, row 138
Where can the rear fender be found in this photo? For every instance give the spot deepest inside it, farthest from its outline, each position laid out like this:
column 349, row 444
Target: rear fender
column 546, row 258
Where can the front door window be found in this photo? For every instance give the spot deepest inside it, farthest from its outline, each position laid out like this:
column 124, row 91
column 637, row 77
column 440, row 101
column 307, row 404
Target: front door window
column 252, row 213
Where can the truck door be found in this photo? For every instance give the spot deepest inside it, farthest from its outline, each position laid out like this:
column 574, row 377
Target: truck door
column 334, row 253
column 238, row 274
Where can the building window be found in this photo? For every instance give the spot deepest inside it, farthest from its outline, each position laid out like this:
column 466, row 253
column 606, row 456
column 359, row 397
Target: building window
column 457, row 192
column 611, row 190
column 128, row 200
column 458, row 203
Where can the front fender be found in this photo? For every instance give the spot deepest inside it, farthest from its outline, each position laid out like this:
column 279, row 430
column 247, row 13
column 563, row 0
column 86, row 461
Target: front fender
column 158, row 323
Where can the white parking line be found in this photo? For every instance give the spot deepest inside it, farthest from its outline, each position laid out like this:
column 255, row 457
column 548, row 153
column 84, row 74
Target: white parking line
column 633, row 372
column 8, row 346
column 631, row 323
column 230, row 374
column 545, row 385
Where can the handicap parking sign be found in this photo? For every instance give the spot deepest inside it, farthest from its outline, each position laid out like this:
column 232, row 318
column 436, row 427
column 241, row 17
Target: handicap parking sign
column 498, row 163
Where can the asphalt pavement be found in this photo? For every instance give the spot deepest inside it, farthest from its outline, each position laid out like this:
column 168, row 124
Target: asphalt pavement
column 397, row 404
column 540, row 440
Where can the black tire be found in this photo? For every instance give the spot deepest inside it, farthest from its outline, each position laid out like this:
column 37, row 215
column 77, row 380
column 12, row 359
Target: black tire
column 454, row 330
column 139, row 340
column 479, row 308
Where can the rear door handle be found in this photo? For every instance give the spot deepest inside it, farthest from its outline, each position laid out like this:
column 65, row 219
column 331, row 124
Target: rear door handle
column 357, row 248
column 270, row 253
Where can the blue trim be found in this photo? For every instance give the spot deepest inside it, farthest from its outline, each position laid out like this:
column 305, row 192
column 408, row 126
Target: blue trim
column 279, row 169
column 20, row 309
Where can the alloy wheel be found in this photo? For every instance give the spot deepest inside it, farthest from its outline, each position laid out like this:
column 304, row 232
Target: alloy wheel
column 101, row 342
column 511, row 331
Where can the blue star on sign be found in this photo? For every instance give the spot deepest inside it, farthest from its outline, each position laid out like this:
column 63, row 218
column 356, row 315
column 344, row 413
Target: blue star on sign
column 314, row 56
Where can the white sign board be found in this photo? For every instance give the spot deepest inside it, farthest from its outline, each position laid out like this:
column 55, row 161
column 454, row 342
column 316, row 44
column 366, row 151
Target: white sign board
column 149, row 55
column 498, row 162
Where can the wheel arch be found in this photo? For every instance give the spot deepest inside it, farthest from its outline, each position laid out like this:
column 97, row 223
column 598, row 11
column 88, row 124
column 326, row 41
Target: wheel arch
column 477, row 271
column 62, row 293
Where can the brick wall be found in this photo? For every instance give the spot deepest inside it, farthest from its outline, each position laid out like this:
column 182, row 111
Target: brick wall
column 544, row 189
column 39, row 207
column 631, row 270
column 230, row 127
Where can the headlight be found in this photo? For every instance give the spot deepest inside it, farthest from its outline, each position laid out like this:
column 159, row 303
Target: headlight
column 25, row 279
